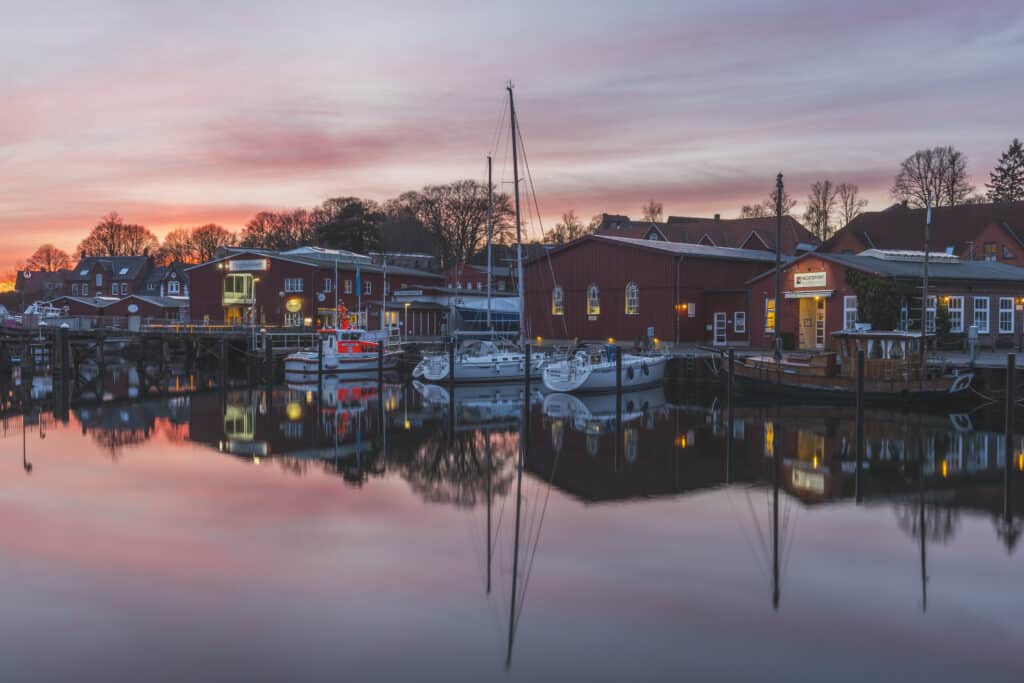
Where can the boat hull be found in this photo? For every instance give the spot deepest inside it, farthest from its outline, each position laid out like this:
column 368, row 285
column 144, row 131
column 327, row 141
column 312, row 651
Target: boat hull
column 435, row 369
column 637, row 372
column 306, row 363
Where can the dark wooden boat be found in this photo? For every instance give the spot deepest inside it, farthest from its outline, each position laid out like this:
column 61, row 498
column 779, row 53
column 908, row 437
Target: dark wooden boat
column 892, row 371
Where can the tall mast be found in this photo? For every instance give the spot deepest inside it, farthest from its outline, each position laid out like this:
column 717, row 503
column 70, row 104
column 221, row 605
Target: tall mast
column 924, row 293
column 490, row 234
column 778, row 276
column 519, row 234
column 337, row 314
column 384, row 295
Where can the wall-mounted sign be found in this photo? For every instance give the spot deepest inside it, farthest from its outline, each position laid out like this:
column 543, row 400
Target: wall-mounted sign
column 809, row 280
column 247, row 264
column 293, row 305
column 133, row 308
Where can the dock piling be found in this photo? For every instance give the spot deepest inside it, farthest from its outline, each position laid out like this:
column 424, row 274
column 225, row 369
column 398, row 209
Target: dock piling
column 860, row 426
column 729, row 390
column 1008, row 445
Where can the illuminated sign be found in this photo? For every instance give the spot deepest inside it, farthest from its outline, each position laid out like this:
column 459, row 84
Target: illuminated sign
column 247, row 264
column 293, row 305
column 809, row 280
column 809, row 481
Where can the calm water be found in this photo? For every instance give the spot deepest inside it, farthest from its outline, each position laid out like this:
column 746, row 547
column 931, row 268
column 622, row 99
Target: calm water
column 368, row 535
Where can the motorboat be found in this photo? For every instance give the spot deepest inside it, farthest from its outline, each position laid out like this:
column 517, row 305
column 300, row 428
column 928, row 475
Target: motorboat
column 480, row 361
column 344, row 350
column 591, row 367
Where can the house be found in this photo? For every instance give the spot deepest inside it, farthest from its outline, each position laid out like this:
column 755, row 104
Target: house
column 818, row 300
column 739, row 233
column 115, row 276
column 151, row 308
column 296, row 288
column 602, row 287
column 34, row 285
column 170, row 280
column 990, row 232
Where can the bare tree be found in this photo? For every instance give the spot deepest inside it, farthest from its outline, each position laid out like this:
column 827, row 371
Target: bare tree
column 851, row 204
column 754, row 211
column 50, row 258
column 178, row 246
column 821, row 204
column 652, row 211
column 569, row 229
column 113, row 237
column 456, row 215
column 938, row 174
column 788, row 203
column 207, row 239
column 279, row 230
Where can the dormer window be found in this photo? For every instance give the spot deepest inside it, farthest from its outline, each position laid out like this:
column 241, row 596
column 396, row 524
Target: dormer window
column 99, row 280
column 123, row 271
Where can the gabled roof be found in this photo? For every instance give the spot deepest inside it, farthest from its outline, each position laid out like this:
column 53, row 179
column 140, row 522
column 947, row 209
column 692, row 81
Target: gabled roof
column 322, row 259
column 120, row 267
column 161, row 301
column 719, row 232
column 161, row 273
column 900, row 227
column 676, row 248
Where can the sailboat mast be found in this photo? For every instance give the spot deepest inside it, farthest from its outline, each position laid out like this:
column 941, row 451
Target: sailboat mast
column 490, row 236
column 924, row 294
column 519, row 232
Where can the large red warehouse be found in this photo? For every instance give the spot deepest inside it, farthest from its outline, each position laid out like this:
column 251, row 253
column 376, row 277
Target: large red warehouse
column 602, row 287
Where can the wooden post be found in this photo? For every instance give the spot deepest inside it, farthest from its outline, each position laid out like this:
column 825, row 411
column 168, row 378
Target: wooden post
column 860, row 424
column 729, row 420
column 451, row 367
column 1011, row 402
column 380, row 364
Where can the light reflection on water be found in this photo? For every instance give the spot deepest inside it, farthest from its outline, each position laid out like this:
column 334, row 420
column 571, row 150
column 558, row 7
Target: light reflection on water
column 386, row 534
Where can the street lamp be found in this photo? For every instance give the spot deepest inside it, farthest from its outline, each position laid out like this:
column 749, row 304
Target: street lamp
column 405, row 323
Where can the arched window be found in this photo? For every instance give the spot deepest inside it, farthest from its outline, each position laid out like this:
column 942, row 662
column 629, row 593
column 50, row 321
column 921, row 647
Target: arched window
column 557, row 301
column 593, row 300
column 632, row 299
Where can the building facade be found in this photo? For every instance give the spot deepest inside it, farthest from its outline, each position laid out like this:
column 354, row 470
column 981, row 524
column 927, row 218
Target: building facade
column 603, row 287
column 818, row 300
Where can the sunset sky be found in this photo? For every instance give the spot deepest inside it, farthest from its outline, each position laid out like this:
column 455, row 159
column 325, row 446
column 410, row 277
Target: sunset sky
column 176, row 114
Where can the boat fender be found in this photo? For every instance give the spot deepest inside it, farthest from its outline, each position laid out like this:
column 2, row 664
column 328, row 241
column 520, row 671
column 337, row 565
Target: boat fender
column 646, row 369
column 629, row 373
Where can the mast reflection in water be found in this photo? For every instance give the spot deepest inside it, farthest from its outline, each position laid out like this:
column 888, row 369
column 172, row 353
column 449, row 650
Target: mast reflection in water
column 329, row 520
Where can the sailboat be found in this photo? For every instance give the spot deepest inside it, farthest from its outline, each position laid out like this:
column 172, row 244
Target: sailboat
column 492, row 360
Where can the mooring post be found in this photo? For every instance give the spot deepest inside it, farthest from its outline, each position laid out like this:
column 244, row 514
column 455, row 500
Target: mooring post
column 618, row 406
column 860, row 425
column 527, row 380
column 1011, row 402
column 729, row 412
column 451, row 367
column 380, row 364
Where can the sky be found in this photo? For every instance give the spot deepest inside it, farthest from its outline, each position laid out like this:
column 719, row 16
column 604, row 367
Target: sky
column 184, row 113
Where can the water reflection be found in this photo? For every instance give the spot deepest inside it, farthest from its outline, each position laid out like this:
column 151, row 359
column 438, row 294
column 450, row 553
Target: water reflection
column 498, row 456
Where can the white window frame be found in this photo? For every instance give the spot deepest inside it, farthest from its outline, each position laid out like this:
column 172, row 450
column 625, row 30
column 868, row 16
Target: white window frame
column 850, row 312
column 113, row 289
column 348, row 286
column 632, row 299
column 986, row 308
column 367, row 288
column 557, row 301
column 328, row 285
column 173, row 287
column 99, row 280
column 1007, row 315
column 293, row 318
column 739, row 322
column 691, row 309
column 955, row 307
column 124, row 289
column 293, row 285
column 771, row 312
column 931, row 307
column 85, row 289
column 74, row 290
column 593, row 300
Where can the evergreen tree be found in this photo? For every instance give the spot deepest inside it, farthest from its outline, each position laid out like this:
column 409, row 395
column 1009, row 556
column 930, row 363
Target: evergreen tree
column 1007, row 178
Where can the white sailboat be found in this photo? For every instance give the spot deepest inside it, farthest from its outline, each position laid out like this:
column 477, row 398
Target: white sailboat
column 490, row 360
column 592, row 368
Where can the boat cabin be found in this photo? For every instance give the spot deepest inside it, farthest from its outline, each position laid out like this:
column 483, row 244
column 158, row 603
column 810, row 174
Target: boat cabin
column 886, row 353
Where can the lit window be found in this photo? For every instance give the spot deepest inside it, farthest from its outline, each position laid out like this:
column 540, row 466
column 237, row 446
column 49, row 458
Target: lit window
column 593, row 300
column 991, row 251
column 632, row 299
column 769, row 315
column 955, row 305
column 1006, row 315
column 739, row 322
column 557, row 301
column 981, row 314
column 849, row 312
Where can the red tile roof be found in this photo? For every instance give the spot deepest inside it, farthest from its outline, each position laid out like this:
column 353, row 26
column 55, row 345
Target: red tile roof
column 900, row 227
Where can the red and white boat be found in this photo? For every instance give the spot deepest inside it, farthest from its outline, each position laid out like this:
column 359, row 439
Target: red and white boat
column 346, row 350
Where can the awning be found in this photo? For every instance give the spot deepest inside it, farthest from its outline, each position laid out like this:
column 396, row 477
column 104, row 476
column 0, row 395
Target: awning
column 809, row 294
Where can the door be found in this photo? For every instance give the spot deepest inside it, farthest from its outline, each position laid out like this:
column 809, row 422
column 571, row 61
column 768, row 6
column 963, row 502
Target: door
column 719, row 329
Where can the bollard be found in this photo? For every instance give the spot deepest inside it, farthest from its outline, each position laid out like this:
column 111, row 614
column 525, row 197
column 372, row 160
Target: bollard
column 860, row 424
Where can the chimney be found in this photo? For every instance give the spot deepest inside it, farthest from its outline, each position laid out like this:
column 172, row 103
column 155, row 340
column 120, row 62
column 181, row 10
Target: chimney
column 718, row 217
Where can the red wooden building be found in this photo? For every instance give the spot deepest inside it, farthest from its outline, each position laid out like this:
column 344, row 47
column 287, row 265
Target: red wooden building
column 295, row 288
column 741, row 233
column 817, row 300
column 602, row 287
